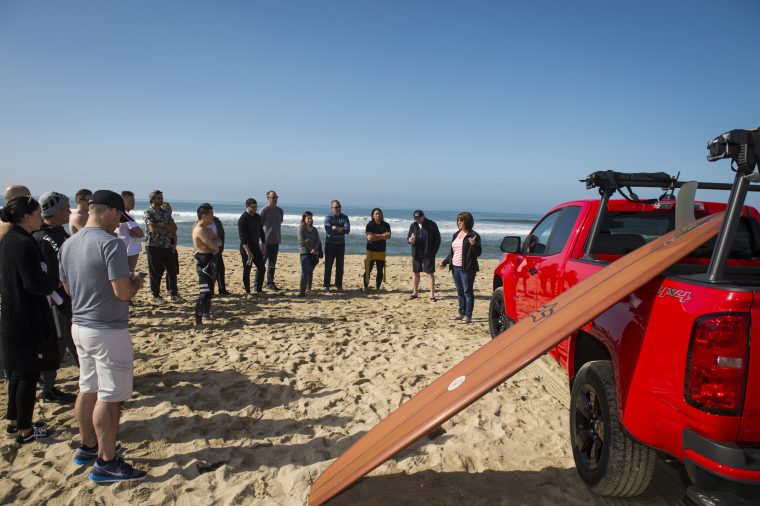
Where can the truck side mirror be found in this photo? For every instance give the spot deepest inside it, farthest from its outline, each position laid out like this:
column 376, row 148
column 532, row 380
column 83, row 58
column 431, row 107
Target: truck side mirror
column 510, row 244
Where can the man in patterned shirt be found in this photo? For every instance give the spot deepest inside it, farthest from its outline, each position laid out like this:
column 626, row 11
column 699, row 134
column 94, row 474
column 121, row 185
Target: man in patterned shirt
column 158, row 248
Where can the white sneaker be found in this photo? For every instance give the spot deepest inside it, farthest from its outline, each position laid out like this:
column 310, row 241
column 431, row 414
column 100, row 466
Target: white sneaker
column 177, row 299
column 158, row 301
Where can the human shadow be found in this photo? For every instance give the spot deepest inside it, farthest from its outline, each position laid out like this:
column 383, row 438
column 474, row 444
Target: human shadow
column 387, row 291
column 306, row 319
column 250, row 456
column 175, row 429
column 548, row 486
column 140, row 356
column 208, row 390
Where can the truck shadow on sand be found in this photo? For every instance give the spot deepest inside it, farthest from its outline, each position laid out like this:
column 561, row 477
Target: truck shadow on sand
column 548, row 486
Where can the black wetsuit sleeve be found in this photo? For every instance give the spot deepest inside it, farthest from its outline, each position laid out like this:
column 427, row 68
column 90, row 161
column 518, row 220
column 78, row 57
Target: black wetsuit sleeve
column 50, row 257
column 33, row 278
column 243, row 229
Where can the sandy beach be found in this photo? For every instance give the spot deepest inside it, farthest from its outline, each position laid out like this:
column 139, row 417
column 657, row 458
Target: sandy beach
column 250, row 409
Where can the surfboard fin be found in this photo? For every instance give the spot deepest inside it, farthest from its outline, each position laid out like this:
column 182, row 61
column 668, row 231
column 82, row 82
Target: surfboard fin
column 685, row 207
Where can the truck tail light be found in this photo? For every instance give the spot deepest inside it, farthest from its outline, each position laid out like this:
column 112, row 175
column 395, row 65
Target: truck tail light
column 716, row 369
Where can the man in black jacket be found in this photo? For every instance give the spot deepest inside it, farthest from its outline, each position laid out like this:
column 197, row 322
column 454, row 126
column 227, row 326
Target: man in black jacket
column 251, row 232
column 425, row 240
column 55, row 212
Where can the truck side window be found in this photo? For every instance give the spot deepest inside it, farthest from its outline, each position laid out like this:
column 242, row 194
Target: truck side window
column 551, row 234
column 536, row 242
column 563, row 229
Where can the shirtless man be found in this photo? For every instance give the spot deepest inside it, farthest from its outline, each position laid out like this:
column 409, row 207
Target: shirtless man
column 78, row 218
column 206, row 245
column 11, row 192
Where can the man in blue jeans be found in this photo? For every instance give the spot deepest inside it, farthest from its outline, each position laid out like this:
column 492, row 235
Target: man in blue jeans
column 337, row 227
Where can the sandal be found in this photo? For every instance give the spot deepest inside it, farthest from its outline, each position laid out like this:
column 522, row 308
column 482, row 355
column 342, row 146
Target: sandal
column 413, row 296
column 433, row 299
column 465, row 320
column 457, row 317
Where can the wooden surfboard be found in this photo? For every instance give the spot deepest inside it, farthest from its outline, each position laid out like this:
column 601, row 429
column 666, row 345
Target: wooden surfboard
column 512, row 350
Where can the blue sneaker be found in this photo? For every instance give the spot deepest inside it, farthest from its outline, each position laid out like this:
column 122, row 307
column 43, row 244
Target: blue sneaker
column 85, row 457
column 116, row 470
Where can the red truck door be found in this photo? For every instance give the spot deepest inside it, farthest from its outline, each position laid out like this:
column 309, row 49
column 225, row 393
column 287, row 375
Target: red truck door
column 540, row 267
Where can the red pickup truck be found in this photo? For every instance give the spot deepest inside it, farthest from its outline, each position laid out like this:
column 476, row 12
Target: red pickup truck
column 670, row 368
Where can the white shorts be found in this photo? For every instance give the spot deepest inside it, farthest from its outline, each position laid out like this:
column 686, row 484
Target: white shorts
column 105, row 362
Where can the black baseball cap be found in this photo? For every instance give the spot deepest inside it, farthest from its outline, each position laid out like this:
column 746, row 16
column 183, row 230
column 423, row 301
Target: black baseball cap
column 111, row 199
column 418, row 213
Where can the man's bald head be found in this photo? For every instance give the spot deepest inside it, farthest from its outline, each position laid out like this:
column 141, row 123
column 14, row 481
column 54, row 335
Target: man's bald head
column 14, row 191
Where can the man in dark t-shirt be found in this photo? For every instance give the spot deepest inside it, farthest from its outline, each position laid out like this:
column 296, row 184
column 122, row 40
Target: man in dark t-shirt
column 378, row 232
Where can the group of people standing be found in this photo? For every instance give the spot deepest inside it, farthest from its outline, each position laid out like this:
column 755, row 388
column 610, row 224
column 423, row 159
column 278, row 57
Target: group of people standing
column 60, row 292
column 260, row 236
column 57, row 290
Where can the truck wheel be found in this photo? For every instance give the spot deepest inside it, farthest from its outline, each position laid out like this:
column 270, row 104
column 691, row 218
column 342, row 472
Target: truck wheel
column 498, row 321
column 608, row 459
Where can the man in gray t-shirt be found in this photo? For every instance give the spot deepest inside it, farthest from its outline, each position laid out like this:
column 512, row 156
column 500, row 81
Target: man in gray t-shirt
column 95, row 272
column 271, row 218
column 88, row 265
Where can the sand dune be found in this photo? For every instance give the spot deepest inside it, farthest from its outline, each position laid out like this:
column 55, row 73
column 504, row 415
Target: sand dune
column 250, row 409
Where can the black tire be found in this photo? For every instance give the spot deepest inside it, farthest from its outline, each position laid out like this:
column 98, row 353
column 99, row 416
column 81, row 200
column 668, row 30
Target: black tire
column 498, row 321
column 608, row 459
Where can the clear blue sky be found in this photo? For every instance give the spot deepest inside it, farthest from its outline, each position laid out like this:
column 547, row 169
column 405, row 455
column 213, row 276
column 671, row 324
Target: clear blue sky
column 454, row 105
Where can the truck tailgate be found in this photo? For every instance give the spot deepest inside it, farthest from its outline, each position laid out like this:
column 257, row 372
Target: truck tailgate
column 749, row 431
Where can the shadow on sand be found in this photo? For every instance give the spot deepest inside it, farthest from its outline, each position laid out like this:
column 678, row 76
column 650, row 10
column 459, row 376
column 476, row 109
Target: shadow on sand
column 248, row 457
column 208, row 390
column 550, row 486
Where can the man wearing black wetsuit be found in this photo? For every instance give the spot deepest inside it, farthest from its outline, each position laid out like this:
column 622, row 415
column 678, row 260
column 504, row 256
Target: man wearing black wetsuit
column 378, row 232
column 55, row 212
column 218, row 229
column 251, row 232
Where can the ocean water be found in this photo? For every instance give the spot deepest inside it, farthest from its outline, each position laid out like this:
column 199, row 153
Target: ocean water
column 492, row 226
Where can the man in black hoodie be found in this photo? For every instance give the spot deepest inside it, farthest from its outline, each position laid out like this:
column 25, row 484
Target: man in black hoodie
column 55, row 213
column 425, row 240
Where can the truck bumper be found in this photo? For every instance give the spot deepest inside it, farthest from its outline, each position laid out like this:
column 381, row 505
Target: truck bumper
column 722, row 473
